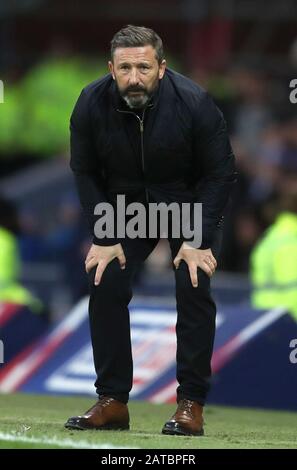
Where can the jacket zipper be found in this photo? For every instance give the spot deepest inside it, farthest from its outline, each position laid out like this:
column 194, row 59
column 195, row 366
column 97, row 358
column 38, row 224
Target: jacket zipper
column 141, row 127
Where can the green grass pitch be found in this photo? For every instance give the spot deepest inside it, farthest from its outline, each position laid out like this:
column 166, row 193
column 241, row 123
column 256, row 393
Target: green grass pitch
column 37, row 421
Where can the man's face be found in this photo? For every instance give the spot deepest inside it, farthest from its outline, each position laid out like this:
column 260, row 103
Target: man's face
column 137, row 73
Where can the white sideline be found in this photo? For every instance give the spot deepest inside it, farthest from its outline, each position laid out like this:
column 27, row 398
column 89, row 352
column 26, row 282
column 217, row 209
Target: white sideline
column 57, row 442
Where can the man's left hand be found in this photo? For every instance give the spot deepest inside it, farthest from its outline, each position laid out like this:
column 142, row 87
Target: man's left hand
column 196, row 258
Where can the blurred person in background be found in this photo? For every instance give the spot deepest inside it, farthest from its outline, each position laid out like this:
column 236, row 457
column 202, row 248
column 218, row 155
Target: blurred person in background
column 38, row 103
column 155, row 136
column 252, row 113
column 57, row 240
column 264, row 133
column 11, row 290
column 274, row 258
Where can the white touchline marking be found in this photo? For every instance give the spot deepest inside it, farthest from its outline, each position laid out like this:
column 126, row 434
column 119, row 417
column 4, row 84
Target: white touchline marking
column 64, row 443
column 58, row 442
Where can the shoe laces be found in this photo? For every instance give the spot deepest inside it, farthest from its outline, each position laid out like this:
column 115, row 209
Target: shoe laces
column 185, row 405
column 104, row 401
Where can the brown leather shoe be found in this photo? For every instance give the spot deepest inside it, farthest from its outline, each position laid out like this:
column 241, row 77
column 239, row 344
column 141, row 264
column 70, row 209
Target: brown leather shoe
column 187, row 420
column 106, row 414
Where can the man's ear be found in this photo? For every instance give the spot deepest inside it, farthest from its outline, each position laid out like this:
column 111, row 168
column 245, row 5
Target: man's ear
column 162, row 68
column 111, row 69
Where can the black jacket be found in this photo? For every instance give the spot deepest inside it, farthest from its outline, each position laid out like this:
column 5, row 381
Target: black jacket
column 182, row 153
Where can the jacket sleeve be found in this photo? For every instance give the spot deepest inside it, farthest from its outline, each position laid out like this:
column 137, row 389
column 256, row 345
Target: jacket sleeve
column 85, row 164
column 214, row 166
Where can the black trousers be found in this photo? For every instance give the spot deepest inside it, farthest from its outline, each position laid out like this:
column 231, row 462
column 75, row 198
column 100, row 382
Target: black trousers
column 110, row 324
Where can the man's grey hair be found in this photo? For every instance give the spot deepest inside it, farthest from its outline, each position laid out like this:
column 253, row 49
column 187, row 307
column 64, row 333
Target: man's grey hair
column 138, row 36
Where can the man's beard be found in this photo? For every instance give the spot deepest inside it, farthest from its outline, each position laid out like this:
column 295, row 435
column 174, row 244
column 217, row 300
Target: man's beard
column 139, row 100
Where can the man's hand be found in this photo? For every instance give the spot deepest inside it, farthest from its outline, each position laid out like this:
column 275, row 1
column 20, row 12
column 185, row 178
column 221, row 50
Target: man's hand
column 101, row 256
column 195, row 258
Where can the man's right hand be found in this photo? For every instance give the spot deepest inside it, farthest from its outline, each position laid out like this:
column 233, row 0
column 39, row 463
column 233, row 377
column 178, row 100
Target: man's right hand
column 101, row 256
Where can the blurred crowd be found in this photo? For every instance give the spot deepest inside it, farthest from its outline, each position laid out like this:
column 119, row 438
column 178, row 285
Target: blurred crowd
column 262, row 122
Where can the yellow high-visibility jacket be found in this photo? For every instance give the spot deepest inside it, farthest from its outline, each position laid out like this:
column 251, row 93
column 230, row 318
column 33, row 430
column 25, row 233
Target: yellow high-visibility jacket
column 10, row 289
column 274, row 266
